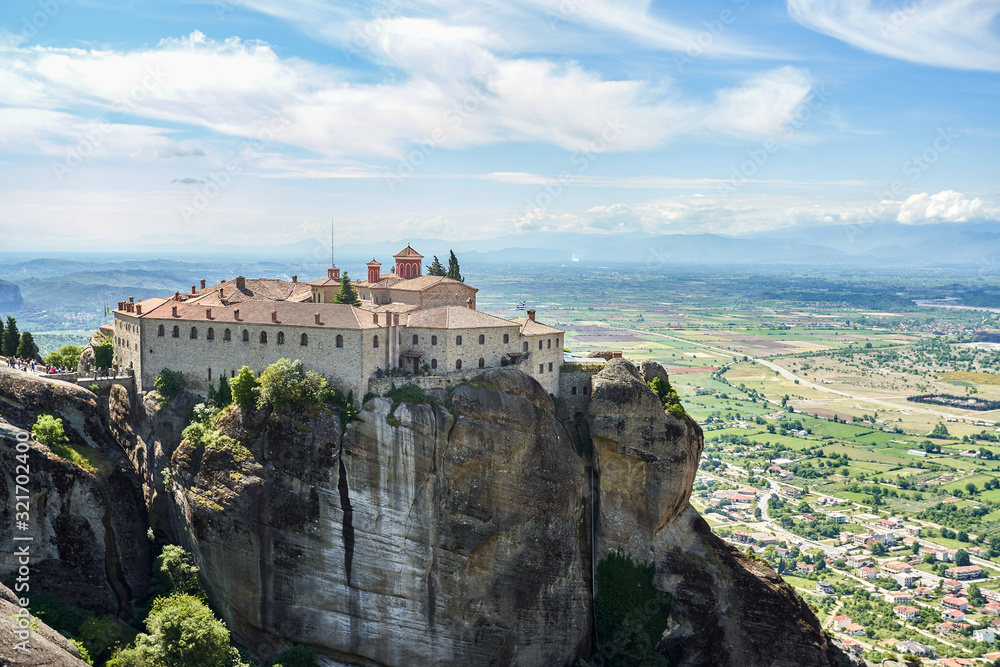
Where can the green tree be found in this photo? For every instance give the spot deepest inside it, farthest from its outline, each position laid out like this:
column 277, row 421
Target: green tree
column 224, row 396
column 436, row 268
column 11, row 338
column 975, row 595
column 631, row 613
column 168, row 383
column 971, row 488
column 48, row 430
column 347, row 293
column 244, row 387
column 962, row 558
column 26, row 348
column 181, row 631
column 297, row 656
column 286, row 382
column 174, row 571
column 67, row 356
column 104, row 353
column 454, row 272
column 940, row 431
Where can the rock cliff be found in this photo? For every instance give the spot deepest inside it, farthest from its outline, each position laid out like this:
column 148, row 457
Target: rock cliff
column 457, row 529
column 45, row 647
column 10, row 297
column 88, row 524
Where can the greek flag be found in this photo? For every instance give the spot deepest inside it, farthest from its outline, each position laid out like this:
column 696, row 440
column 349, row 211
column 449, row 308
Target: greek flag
column 520, row 306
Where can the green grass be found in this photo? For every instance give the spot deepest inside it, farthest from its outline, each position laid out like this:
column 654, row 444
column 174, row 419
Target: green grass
column 87, row 458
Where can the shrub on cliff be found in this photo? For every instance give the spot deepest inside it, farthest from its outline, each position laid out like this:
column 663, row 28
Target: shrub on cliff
column 67, row 356
column 297, row 656
column 244, row 387
column 181, row 631
column 631, row 613
column 168, row 384
column 285, row 383
column 671, row 401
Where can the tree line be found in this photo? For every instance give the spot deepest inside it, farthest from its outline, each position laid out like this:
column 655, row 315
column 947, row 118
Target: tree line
column 16, row 344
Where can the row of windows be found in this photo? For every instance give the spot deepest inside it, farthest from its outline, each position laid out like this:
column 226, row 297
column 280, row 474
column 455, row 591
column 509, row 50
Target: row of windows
column 227, row 335
column 541, row 367
column 458, row 339
column 586, row 390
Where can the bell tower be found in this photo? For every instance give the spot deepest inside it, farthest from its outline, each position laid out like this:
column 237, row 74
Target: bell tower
column 374, row 270
column 408, row 263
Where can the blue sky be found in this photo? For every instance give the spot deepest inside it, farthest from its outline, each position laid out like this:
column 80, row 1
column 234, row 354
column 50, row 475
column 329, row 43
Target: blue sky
column 260, row 121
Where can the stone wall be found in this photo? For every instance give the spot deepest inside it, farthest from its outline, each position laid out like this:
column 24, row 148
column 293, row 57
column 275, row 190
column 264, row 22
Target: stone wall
column 544, row 360
column 575, row 386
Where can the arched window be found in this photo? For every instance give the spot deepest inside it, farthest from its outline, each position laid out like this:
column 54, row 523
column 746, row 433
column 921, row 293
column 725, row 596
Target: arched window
column 246, row 336
column 506, row 338
column 416, row 339
column 557, row 341
column 574, row 391
column 210, row 376
column 194, row 332
column 550, row 343
column 434, row 340
column 340, row 340
column 482, row 339
column 263, row 337
column 482, row 362
column 374, row 341
column 539, row 343
column 227, row 335
column 211, row 334
column 458, row 340
column 458, row 365
column 434, row 364
column 160, row 332
column 525, row 346
column 177, row 331
column 281, row 338
column 305, row 340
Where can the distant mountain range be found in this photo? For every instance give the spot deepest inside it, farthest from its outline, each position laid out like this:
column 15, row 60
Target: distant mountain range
column 952, row 245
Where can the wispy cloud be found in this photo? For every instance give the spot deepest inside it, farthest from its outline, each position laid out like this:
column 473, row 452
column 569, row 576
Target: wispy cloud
column 958, row 34
column 470, row 96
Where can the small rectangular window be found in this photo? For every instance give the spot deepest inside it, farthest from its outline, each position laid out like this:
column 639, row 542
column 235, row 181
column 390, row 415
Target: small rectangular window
column 550, row 366
column 541, row 368
column 416, row 339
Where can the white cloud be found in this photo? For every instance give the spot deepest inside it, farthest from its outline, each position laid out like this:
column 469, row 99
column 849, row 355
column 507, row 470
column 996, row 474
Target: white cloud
column 946, row 206
column 958, row 34
column 474, row 97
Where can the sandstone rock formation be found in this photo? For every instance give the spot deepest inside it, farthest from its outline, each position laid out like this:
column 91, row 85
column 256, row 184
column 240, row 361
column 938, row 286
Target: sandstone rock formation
column 46, row 647
column 89, row 526
column 454, row 531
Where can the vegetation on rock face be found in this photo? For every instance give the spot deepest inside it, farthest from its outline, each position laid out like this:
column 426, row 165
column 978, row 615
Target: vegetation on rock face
column 297, row 656
column 244, row 388
column 668, row 396
column 285, row 383
column 203, row 432
column 49, row 431
column 181, row 631
column 631, row 613
column 168, row 384
column 96, row 637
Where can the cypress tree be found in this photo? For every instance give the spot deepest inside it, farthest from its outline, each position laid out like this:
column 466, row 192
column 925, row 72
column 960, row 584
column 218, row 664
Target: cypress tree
column 11, row 338
column 436, row 268
column 224, row 396
column 26, row 348
column 347, row 293
column 453, row 270
column 1, row 332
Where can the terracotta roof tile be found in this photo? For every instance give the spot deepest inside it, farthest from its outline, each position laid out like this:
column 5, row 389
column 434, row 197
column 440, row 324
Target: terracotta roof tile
column 332, row 315
column 455, row 317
